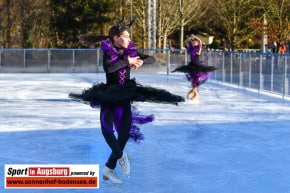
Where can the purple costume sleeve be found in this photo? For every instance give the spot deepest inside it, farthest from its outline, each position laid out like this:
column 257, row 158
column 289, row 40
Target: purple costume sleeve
column 110, row 67
column 146, row 58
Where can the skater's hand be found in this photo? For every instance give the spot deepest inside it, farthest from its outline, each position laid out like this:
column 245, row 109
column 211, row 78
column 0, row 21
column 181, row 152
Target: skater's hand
column 192, row 36
column 135, row 62
column 138, row 64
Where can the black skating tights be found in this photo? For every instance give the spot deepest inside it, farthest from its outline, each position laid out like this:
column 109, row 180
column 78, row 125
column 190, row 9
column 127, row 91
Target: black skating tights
column 121, row 118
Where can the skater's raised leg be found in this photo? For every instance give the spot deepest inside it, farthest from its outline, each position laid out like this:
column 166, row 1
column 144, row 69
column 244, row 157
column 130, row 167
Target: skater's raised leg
column 195, row 94
column 190, row 94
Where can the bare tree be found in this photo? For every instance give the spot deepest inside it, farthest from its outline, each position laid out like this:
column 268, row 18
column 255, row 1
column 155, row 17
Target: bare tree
column 24, row 23
column 190, row 11
column 39, row 32
column 277, row 13
column 123, row 9
column 234, row 16
column 8, row 28
column 140, row 32
column 171, row 16
column 167, row 20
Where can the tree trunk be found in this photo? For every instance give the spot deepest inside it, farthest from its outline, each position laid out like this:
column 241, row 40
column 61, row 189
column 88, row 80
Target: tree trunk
column 181, row 32
column 149, row 24
column 159, row 25
column 165, row 40
column 144, row 30
column 123, row 8
column 181, row 23
column 24, row 24
column 8, row 24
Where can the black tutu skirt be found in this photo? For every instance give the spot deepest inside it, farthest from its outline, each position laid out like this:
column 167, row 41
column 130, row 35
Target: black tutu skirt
column 195, row 68
column 196, row 72
column 103, row 94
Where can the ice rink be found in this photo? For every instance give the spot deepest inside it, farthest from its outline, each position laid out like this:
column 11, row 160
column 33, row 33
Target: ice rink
column 230, row 142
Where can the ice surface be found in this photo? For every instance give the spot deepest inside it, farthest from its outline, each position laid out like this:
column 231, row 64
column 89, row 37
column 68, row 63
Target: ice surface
column 230, row 141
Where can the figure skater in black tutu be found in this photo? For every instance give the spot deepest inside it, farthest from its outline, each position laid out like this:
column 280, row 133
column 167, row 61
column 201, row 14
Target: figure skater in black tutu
column 116, row 95
column 197, row 72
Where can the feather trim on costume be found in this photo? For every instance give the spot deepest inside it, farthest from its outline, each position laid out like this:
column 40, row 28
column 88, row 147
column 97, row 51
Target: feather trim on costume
column 138, row 120
column 112, row 52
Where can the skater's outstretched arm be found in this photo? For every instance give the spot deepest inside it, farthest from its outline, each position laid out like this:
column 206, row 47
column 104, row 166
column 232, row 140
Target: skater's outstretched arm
column 146, row 58
column 187, row 42
column 199, row 43
column 142, row 59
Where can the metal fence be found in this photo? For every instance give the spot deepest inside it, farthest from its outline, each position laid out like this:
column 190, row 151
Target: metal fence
column 74, row 60
column 263, row 72
column 49, row 60
column 260, row 71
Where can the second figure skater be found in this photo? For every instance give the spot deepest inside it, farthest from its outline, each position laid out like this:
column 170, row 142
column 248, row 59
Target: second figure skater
column 197, row 72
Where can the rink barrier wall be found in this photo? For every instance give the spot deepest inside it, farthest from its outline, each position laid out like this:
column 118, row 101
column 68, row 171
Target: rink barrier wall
column 263, row 72
column 260, row 71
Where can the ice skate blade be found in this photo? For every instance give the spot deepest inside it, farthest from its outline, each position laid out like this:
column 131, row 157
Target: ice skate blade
column 192, row 101
column 105, row 178
column 195, row 101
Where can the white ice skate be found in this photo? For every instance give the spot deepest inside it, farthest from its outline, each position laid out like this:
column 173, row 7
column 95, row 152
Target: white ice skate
column 125, row 164
column 190, row 101
column 196, row 101
column 109, row 174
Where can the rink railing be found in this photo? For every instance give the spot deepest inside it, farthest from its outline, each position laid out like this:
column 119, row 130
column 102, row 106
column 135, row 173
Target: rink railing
column 263, row 72
column 258, row 71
